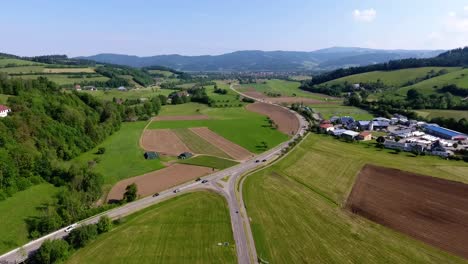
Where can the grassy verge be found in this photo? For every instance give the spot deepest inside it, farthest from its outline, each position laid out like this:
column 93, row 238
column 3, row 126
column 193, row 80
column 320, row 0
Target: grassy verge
column 186, row 229
column 295, row 206
column 16, row 209
column 210, row 161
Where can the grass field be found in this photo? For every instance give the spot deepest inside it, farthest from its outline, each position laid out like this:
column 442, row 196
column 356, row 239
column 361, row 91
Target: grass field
column 5, row 61
column 296, row 206
column 285, row 88
column 238, row 125
column 123, row 157
column 23, row 69
column 210, row 161
column 395, row 78
column 230, row 99
column 185, row 229
column 460, row 78
column 431, row 113
column 63, row 79
column 16, row 209
column 198, row 144
column 183, row 109
column 328, row 111
column 165, row 73
column 4, row 98
column 130, row 94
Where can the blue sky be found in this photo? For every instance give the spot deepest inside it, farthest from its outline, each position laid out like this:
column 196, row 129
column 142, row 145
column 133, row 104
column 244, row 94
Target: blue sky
column 35, row 27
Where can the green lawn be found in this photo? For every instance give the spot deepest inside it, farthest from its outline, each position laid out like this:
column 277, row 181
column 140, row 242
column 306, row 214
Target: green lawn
column 285, row 88
column 395, row 78
column 296, row 211
column 198, row 144
column 328, row 111
column 238, row 125
column 123, row 157
column 431, row 113
column 210, row 161
column 185, row 229
column 16, row 209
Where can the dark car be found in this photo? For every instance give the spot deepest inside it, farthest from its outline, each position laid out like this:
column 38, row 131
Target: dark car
column 204, row 181
column 264, row 160
column 156, row 194
column 198, row 179
column 257, row 161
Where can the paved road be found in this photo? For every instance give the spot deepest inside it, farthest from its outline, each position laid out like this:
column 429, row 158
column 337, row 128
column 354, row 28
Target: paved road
column 245, row 245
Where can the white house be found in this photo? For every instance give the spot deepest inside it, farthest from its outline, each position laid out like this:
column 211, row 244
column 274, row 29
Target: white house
column 4, row 110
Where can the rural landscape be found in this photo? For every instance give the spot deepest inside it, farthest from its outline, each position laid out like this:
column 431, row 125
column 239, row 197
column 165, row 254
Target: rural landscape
column 334, row 155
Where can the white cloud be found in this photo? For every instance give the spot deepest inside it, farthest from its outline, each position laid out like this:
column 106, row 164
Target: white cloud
column 456, row 23
column 452, row 30
column 366, row 15
column 465, row 8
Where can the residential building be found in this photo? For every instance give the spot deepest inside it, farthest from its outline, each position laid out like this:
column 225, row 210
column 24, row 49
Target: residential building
column 326, row 127
column 4, row 110
column 122, row 89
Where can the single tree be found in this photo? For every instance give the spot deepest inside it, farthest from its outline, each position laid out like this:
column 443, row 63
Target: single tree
column 130, row 194
column 104, row 225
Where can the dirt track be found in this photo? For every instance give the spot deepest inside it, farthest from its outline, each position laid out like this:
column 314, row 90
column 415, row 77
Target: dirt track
column 285, row 120
column 163, row 141
column 159, row 180
column 230, row 148
column 181, row 118
column 429, row 209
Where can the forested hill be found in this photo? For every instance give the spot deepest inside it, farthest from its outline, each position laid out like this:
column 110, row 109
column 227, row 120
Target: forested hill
column 257, row 60
column 452, row 58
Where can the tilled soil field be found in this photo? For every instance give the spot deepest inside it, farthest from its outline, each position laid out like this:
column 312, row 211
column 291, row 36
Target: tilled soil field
column 159, row 180
column 430, row 209
column 235, row 151
column 286, row 121
column 164, row 141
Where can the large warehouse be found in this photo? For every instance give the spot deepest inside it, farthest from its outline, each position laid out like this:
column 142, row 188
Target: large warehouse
column 444, row 133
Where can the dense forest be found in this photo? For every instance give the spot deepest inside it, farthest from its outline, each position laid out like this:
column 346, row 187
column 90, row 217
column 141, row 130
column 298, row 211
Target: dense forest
column 452, row 58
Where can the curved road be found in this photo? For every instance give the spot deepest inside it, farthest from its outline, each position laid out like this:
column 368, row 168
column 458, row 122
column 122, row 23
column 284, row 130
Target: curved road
column 245, row 245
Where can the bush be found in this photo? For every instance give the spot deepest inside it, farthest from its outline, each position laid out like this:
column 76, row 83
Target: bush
column 104, row 225
column 130, row 194
column 52, row 251
column 101, row 150
column 82, row 235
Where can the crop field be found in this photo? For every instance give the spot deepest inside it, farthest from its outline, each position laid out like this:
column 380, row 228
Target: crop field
column 197, row 144
column 122, row 148
column 69, row 70
column 6, row 61
column 306, row 192
column 209, row 161
column 16, row 209
column 328, row 111
column 285, row 88
column 429, row 209
column 238, row 125
column 395, row 78
column 185, row 229
column 432, row 113
column 460, row 78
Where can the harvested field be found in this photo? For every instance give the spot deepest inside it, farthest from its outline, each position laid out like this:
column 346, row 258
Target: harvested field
column 430, row 209
column 159, row 180
column 286, row 121
column 235, row 151
column 181, row 118
column 197, row 144
column 254, row 94
column 164, row 141
column 291, row 100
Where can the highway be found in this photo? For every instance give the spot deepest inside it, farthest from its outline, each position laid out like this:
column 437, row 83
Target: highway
column 243, row 238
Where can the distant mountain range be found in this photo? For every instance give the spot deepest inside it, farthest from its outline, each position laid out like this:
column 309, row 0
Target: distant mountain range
column 255, row 60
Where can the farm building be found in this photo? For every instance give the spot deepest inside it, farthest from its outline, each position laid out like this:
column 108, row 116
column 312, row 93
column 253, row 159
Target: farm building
column 149, row 155
column 444, row 133
column 397, row 145
column 376, row 124
column 122, row 89
column 185, row 155
column 365, row 136
column 338, row 132
column 348, row 134
column 78, row 87
column 4, row 110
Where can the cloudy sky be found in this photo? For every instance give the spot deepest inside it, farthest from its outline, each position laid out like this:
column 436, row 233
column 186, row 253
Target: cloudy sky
column 137, row 27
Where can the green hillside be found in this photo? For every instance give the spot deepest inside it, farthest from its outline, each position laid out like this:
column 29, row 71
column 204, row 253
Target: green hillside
column 396, row 78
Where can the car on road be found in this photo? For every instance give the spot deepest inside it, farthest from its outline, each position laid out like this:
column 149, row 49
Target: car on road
column 156, row 194
column 198, row 179
column 70, row 228
column 257, row 161
column 176, row 190
column 264, row 160
column 204, row 181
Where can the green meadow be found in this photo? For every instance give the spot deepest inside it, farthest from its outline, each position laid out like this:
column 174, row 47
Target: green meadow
column 210, row 161
column 185, row 229
column 432, row 113
column 330, row 110
column 296, row 206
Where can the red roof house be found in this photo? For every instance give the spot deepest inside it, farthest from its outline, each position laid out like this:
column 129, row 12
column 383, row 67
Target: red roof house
column 4, row 110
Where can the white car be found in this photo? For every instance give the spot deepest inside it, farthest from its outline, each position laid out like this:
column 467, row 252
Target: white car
column 70, row 228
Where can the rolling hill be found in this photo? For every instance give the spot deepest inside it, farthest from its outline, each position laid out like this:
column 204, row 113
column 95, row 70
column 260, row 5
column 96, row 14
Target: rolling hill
column 256, row 60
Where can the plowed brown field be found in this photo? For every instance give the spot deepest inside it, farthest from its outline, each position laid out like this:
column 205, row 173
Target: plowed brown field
column 163, row 141
column 430, row 209
column 286, row 121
